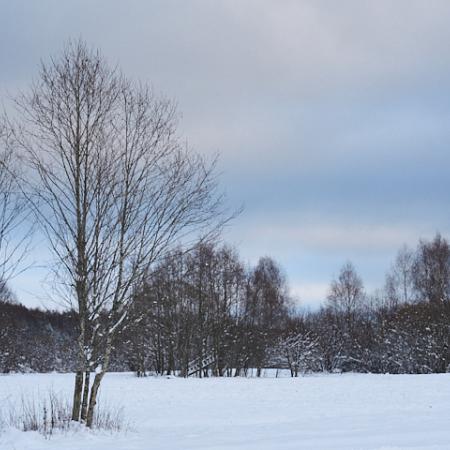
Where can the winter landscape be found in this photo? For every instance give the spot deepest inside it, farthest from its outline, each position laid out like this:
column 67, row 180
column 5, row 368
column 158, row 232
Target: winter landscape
column 351, row 411
column 224, row 225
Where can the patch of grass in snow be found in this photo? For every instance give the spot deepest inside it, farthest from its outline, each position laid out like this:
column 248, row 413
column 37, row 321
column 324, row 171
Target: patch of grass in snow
column 51, row 413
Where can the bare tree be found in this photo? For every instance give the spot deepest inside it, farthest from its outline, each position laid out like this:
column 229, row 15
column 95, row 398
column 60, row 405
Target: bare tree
column 399, row 286
column 113, row 189
column 346, row 292
column 346, row 302
column 301, row 352
column 266, row 308
column 215, row 288
column 431, row 270
column 15, row 230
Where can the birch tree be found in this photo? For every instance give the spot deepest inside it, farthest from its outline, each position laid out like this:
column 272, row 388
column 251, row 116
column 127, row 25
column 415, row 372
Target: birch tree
column 113, row 189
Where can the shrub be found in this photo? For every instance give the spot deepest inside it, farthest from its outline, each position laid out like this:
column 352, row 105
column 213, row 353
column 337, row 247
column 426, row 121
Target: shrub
column 52, row 413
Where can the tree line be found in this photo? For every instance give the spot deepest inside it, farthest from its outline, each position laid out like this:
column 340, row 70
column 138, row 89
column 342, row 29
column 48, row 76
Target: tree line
column 207, row 305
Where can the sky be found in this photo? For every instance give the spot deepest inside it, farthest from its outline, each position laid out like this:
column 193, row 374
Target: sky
column 331, row 118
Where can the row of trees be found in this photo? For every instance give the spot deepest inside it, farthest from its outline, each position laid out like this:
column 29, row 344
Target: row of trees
column 193, row 305
column 32, row 340
column 402, row 328
column 206, row 305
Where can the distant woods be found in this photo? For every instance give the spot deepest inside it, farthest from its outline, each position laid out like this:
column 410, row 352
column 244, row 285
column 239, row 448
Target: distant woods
column 205, row 313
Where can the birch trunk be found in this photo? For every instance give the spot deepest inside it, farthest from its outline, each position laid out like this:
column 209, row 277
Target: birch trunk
column 76, row 409
column 93, row 398
column 84, row 404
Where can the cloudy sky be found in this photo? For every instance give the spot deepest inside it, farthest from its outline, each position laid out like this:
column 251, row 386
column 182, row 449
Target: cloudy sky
column 332, row 118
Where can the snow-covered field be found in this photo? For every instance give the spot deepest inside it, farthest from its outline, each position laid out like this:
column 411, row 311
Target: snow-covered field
column 314, row 412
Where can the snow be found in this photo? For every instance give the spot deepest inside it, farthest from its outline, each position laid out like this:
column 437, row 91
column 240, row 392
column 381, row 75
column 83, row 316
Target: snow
column 351, row 411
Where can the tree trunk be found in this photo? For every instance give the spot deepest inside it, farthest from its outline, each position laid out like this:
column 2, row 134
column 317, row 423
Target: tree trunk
column 84, row 404
column 93, row 398
column 77, row 396
column 97, row 380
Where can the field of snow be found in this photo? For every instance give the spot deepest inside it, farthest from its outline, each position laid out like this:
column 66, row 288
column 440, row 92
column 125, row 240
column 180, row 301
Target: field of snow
column 314, row 412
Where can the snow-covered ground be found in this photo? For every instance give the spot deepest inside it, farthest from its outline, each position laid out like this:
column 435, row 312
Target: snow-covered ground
column 314, row 412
